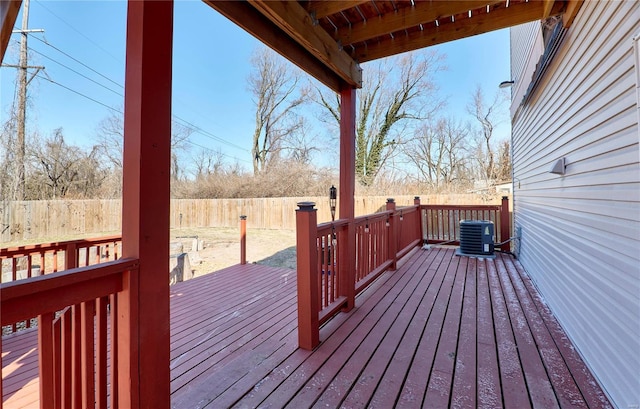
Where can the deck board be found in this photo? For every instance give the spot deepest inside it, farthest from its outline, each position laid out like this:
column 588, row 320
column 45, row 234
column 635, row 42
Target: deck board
column 441, row 331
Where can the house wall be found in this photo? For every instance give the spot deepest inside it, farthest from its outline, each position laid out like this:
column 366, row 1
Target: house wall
column 580, row 233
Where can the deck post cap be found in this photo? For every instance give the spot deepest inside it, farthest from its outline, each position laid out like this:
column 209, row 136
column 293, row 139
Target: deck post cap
column 390, row 200
column 243, row 217
column 306, row 206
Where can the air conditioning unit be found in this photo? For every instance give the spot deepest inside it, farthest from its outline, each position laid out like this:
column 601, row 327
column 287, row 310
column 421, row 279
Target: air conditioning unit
column 476, row 238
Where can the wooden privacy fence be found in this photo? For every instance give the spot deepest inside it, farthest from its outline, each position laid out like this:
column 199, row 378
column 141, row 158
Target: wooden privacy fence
column 337, row 260
column 28, row 220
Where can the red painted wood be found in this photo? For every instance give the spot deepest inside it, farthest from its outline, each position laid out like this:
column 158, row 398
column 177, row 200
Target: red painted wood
column 364, row 356
column 516, row 395
column 243, row 239
column 392, row 241
column 438, row 392
column 101, row 352
column 346, row 194
column 76, row 357
column 87, row 354
column 307, row 284
column 420, row 371
column 556, row 349
column 463, row 392
column 144, row 347
column 540, row 390
column 505, row 223
column 489, row 389
column 46, row 362
column 114, row 313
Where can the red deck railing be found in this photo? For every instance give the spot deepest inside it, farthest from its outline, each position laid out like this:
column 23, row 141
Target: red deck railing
column 326, row 280
column 24, row 262
column 76, row 310
column 442, row 222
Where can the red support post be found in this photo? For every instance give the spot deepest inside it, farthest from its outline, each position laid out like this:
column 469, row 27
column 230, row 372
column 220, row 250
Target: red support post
column 416, row 202
column 393, row 234
column 308, row 291
column 143, row 305
column 243, row 239
column 347, row 248
column 505, row 223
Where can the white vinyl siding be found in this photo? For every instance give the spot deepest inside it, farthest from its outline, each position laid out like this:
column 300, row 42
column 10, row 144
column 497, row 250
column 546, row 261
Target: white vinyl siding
column 581, row 232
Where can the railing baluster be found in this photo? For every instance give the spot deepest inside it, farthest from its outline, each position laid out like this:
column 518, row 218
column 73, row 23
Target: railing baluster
column 113, row 319
column 87, row 356
column 46, row 359
column 66, row 360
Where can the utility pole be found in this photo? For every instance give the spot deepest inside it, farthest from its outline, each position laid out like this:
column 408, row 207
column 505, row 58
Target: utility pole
column 19, row 189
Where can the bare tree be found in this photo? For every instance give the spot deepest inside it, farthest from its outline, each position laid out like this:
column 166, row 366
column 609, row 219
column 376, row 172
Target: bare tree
column 488, row 116
column 274, row 85
column 438, row 152
column 394, row 93
column 58, row 169
column 110, row 141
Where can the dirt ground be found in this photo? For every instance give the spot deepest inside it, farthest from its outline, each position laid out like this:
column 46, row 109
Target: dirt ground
column 220, row 247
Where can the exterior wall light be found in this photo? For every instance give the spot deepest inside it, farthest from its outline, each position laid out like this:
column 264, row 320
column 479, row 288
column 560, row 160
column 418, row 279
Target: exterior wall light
column 506, row 84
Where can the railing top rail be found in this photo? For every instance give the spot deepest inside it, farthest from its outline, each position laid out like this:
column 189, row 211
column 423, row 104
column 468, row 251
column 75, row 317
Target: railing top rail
column 461, row 207
column 336, row 223
column 374, row 216
column 61, row 245
column 24, row 299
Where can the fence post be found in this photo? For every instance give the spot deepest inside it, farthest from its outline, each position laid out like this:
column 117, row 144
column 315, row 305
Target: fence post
column 505, row 223
column 243, row 239
column 71, row 256
column 393, row 236
column 307, row 260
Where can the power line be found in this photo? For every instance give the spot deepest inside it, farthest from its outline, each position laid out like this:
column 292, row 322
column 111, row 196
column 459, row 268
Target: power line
column 79, row 93
column 76, row 30
column 188, row 123
column 76, row 72
column 78, row 61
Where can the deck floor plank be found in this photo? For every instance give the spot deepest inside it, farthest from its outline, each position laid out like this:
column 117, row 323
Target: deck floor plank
column 441, row 331
column 463, row 391
column 513, row 384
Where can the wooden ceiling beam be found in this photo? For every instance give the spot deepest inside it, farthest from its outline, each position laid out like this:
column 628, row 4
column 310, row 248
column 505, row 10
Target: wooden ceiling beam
column 570, row 12
column 253, row 22
column 498, row 18
column 324, row 8
column 422, row 13
column 9, row 10
column 548, row 5
column 292, row 19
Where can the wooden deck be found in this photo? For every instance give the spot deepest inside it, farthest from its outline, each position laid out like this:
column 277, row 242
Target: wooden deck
column 441, row 331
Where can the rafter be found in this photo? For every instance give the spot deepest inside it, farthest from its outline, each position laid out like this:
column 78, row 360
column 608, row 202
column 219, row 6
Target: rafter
column 8, row 13
column 570, row 12
column 498, row 18
column 421, row 13
column 546, row 10
column 292, row 19
column 324, row 8
column 249, row 19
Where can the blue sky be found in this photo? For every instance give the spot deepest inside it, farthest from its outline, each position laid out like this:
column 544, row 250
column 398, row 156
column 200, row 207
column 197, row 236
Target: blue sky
column 211, row 64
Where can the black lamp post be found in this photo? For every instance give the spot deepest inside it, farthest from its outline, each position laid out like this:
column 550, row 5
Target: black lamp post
column 333, row 196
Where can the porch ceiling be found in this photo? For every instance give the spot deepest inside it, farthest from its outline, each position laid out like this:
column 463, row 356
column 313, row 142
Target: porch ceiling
column 329, row 39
